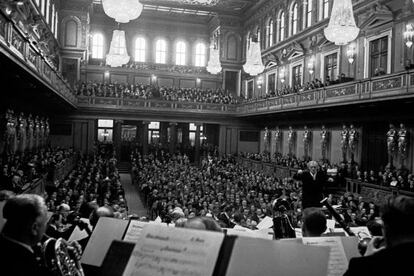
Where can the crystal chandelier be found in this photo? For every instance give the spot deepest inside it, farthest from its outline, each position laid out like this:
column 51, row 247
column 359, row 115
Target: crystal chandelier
column 214, row 64
column 254, row 64
column 118, row 55
column 342, row 28
column 122, row 11
column 409, row 35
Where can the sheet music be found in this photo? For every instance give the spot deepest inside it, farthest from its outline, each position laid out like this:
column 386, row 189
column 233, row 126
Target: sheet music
column 338, row 263
column 174, row 251
column 361, row 230
column 266, row 222
column 134, row 231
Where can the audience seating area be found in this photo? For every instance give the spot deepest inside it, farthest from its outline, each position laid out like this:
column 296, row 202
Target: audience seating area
column 141, row 91
column 172, row 188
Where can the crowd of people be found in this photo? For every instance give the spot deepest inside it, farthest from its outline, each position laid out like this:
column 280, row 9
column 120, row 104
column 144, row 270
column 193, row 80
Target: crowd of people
column 22, row 169
column 143, row 91
column 300, row 88
column 93, row 183
column 387, row 178
column 227, row 192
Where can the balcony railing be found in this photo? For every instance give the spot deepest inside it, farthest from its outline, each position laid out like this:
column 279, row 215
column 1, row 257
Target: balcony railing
column 17, row 45
column 153, row 104
column 397, row 85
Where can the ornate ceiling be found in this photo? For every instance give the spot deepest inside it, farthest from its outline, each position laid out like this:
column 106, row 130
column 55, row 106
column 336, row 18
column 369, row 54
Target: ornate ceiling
column 199, row 7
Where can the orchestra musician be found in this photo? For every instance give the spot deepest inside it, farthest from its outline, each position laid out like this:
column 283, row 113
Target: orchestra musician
column 24, row 229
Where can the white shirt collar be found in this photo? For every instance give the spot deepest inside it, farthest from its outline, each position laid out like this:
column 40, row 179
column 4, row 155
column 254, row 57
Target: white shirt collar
column 18, row 242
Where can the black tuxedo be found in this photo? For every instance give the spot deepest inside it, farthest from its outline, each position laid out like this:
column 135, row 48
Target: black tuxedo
column 312, row 189
column 15, row 260
column 226, row 220
column 391, row 261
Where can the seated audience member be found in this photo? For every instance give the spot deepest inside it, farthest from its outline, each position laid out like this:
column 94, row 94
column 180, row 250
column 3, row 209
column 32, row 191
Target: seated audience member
column 395, row 258
column 314, row 222
column 203, row 223
column 103, row 211
column 26, row 224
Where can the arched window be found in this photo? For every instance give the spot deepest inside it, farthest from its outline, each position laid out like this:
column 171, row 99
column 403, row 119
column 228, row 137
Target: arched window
column 270, row 31
column 119, row 46
column 294, row 19
column 309, row 12
column 180, row 51
column 42, row 7
column 282, row 26
column 47, row 11
column 97, row 46
column 200, row 55
column 324, row 9
column 161, row 51
column 140, row 49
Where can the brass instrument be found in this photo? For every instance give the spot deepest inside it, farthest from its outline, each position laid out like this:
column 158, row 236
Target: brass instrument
column 59, row 259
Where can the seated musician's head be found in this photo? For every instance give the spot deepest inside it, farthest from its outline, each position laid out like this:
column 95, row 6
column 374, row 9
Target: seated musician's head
column 397, row 216
column 313, row 222
column 26, row 217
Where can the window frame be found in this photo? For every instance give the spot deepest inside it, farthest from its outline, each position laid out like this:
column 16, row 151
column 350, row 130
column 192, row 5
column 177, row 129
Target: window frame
column 200, row 55
column 99, row 47
column 161, row 54
column 140, row 54
column 180, row 53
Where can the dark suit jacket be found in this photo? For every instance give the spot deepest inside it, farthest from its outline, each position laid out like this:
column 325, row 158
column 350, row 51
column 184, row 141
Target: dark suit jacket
column 312, row 190
column 222, row 217
column 15, row 260
column 391, row 261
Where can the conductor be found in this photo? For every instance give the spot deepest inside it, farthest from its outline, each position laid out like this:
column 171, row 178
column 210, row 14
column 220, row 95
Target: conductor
column 313, row 184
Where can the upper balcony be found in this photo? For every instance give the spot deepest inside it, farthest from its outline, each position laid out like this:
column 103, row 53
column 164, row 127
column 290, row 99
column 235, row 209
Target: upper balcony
column 381, row 88
column 22, row 46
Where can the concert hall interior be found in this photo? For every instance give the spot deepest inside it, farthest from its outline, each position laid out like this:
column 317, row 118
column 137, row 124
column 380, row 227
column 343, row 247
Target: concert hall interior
column 206, row 137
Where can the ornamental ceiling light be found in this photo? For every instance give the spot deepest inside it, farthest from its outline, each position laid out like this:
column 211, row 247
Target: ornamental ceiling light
column 342, row 28
column 409, row 35
column 118, row 55
column 254, row 64
column 122, row 11
column 214, row 64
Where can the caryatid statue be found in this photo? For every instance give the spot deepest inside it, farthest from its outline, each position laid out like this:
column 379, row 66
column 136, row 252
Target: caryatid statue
column 344, row 142
column 36, row 132
column 30, row 132
column 21, row 133
column 402, row 142
column 291, row 140
column 324, row 141
column 11, row 132
column 307, row 140
column 47, row 131
column 391, row 144
column 352, row 140
column 266, row 139
column 278, row 138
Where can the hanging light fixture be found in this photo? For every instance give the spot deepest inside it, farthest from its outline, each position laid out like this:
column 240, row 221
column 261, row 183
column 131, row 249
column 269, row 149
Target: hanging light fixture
column 254, row 64
column 351, row 52
column 122, row 11
column 118, row 55
column 409, row 35
column 214, row 64
column 342, row 28
column 311, row 65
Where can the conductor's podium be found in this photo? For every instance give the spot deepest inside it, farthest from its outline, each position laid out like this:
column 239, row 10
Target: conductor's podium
column 121, row 247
